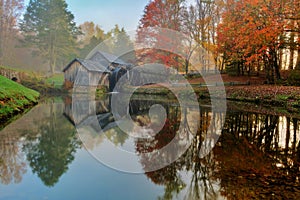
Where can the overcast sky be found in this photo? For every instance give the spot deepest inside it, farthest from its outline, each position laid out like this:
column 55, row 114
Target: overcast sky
column 107, row 13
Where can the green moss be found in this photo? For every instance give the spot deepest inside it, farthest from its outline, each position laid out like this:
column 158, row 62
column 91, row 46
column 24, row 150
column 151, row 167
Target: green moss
column 101, row 91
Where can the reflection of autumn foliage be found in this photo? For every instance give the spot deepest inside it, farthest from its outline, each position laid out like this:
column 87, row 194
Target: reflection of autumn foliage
column 12, row 162
column 251, row 162
column 247, row 173
column 169, row 177
column 199, row 184
column 161, row 139
column 257, row 157
column 167, row 134
column 164, row 136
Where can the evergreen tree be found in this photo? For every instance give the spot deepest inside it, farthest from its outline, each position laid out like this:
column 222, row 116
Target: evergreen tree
column 122, row 44
column 92, row 35
column 49, row 28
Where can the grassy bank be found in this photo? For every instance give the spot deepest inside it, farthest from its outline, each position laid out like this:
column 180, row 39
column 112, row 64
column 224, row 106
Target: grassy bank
column 46, row 85
column 14, row 99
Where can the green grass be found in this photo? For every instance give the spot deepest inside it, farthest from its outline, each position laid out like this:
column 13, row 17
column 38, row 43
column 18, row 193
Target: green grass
column 14, row 98
column 56, row 80
column 44, row 85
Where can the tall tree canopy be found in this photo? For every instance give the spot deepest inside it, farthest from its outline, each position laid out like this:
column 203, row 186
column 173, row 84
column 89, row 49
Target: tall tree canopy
column 253, row 35
column 48, row 27
column 89, row 31
column 120, row 43
column 116, row 41
column 91, row 36
column 166, row 14
column 10, row 11
column 200, row 23
column 197, row 22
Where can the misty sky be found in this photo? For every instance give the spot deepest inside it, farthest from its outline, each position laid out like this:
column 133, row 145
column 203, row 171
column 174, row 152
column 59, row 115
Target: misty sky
column 107, row 13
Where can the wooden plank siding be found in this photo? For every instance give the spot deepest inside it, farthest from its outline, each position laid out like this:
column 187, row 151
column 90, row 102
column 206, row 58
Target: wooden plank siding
column 98, row 70
column 77, row 74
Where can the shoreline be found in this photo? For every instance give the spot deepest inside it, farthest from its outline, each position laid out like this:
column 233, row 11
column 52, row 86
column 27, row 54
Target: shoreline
column 287, row 97
column 15, row 99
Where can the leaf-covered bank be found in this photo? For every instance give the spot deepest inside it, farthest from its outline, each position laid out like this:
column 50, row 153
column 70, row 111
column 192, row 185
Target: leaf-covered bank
column 281, row 96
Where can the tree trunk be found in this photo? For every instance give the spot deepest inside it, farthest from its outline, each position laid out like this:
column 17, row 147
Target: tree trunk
column 276, row 66
column 186, row 67
column 277, row 71
column 297, row 67
column 291, row 64
column 1, row 30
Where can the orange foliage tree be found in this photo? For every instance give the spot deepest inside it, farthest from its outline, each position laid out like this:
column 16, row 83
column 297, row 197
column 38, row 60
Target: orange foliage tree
column 165, row 14
column 251, row 35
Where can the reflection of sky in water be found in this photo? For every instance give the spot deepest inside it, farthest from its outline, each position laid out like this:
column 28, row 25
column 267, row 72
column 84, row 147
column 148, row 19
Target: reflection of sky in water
column 213, row 189
column 87, row 178
column 282, row 129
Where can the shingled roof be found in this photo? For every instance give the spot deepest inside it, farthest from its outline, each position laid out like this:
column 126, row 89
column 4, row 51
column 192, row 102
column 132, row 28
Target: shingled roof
column 89, row 65
column 109, row 58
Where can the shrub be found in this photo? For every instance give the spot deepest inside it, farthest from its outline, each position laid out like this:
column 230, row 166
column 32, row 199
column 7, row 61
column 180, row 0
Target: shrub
column 232, row 69
column 294, row 78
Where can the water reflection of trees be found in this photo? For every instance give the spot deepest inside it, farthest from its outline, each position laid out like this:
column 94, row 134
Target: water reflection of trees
column 12, row 161
column 260, row 157
column 51, row 149
column 189, row 177
column 44, row 137
column 257, row 156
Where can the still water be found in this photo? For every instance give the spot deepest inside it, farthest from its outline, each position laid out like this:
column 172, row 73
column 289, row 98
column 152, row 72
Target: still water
column 42, row 155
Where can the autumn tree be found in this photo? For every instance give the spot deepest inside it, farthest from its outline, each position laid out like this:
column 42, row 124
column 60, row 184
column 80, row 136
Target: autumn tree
column 291, row 10
column 91, row 35
column 90, row 30
column 165, row 14
column 10, row 11
column 49, row 28
column 200, row 23
column 251, row 35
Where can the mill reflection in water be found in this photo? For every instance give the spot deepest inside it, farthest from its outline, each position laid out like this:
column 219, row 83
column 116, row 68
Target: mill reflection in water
column 257, row 155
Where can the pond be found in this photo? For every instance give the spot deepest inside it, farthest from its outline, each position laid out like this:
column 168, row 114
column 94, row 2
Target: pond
column 43, row 155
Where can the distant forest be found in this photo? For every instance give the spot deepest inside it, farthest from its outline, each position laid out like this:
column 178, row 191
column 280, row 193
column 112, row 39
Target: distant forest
column 244, row 37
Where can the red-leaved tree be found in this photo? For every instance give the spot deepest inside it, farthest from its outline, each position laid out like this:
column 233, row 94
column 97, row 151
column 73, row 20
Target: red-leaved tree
column 160, row 15
column 251, row 35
